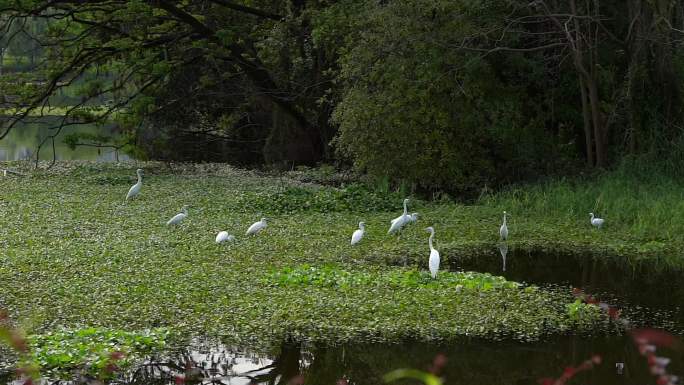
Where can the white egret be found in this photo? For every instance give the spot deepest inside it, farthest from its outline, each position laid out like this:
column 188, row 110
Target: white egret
column 257, row 226
column 596, row 222
column 397, row 223
column 405, row 212
column 224, row 236
column 413, row 217
column 135, row 189
column 503, row 230
column 178, row 217
column 358, row 234
column 434, row 254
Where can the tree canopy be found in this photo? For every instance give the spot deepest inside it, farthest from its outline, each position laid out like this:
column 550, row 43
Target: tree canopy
column 441, row 94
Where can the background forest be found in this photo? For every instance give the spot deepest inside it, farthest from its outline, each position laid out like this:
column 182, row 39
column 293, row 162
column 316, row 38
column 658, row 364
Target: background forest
column 440, row 95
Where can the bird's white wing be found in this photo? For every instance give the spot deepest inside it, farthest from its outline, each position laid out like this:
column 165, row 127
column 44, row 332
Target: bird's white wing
column 434, row 262
column 255, row 228
column 356, row 237
column 398, row 223
column 176, row 219
column 133, row 191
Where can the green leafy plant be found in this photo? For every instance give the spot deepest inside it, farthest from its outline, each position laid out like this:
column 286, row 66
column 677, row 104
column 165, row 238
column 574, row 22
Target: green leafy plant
column 334, row 276
column 93, row 350
column 412, row 374
column 579, row 311
column 352, row 198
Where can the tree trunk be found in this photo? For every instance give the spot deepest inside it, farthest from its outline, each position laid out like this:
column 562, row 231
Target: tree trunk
column 585, row 83
column 587, row 77
column 635, row 47
column 586, row 115
column 599, row 130
column 265, row 85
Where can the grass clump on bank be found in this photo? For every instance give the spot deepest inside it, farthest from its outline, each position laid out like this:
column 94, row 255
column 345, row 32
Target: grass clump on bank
column 76, row 255
column 643, row 206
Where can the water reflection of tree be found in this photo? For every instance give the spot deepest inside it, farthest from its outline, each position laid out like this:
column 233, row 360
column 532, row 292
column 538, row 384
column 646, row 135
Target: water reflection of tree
column 469, row 362
column 218, row 367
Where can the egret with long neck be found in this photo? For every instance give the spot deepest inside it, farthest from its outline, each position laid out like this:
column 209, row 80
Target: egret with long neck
column 397, row 223
column 596, row 222
column 503, row 230
column 135, row 189
column 433, row 262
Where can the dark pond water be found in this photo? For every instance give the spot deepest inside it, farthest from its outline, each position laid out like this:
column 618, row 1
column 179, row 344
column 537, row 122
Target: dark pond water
column 21, row 143
column 648, row 296
column 648, row 293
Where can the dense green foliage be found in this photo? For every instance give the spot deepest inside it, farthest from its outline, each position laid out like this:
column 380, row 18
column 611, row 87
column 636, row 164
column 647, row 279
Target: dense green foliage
column 77, row 255
column 351, row 198
column 94, row 351
column 442, row 95
column 433, row 116
column 331, row 276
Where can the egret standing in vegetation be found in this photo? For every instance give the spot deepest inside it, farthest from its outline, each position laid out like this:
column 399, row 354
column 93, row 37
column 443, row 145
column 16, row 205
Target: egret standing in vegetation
column 358, row 234
column 503, row 230
column 399, row 222
column 257, row 226
column 413, row 217
column 433, row 263
column 224, row 236
column 596, row 222
column 135, row 189
column 178, row 217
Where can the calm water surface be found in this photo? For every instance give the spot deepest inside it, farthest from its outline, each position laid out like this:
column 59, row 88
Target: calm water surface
column 648, row 297
column 21, row 143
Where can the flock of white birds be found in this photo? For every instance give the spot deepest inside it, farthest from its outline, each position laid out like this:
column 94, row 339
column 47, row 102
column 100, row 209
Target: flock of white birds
column 396, row 224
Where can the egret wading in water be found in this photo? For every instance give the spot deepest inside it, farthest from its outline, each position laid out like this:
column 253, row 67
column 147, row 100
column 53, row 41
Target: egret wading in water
column 178, row 218
column 596, row 222
column 224, row 236
column 135, row 189
column 433, row 263
column 397, row 223
column 358, row 234
column 257, row 227
column 503, row 230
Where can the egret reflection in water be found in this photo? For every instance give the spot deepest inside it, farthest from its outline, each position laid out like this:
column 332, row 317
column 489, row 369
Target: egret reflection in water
column 503, row 249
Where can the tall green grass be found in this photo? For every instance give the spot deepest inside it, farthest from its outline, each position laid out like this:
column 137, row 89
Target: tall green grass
column 641, row 199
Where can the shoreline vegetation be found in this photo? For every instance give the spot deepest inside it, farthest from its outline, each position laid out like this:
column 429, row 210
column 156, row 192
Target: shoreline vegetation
column 97, row 110
column 75, row 255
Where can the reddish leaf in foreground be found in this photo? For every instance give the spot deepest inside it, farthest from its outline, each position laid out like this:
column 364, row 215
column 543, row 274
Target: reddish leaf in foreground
column 296, row 380
column 438, row 364
column 656, row 337
column 568, row 372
